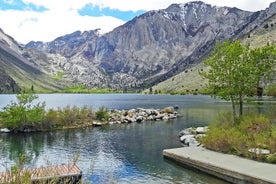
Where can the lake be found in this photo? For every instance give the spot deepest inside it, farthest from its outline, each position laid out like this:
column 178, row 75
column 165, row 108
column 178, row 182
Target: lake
column 127, row 153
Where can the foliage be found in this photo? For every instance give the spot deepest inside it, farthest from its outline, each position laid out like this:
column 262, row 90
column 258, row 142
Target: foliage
column 23, row 112
column 254, row 131
column 102, row 114
column 68, row 116
column 271, row 90
column 83, row 89
column 235, row 71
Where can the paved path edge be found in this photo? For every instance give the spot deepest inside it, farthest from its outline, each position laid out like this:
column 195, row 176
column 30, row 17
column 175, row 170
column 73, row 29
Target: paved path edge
column 221, row 172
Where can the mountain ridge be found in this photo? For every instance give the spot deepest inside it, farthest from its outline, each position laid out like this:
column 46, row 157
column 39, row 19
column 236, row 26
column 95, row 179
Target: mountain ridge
column 148, row 49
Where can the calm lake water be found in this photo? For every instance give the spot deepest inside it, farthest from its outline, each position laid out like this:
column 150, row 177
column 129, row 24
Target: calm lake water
column 129, row 153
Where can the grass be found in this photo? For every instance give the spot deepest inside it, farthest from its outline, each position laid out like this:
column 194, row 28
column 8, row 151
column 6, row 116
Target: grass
column 254, row 131
column 271, row 90
column 186, row 82
column 83, row 89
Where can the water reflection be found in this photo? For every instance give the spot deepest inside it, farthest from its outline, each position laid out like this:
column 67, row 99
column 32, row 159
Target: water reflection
column 120, row 153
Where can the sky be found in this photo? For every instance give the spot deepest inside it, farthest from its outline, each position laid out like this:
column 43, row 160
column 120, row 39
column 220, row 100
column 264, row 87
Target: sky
column 45, row 20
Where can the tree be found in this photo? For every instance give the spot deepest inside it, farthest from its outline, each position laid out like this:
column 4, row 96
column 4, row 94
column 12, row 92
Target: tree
column 23, row 112
column 234, row 71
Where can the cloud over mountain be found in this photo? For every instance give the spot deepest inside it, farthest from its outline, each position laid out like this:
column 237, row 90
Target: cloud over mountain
column 45, row 20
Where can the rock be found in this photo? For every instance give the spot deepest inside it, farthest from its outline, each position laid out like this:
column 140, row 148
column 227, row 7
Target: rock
column 5, row 130
column 139, row 115
column 201, row 130
column 187, row 131
column 168, row 110
column 259, row 151
column 129, row 120
column 131, row 112
column 200, row 135
column 139, row 119
column 184, row 137
column 165, row 118
column 190, row 135
column 189, row 140
column 150, row 118
column 97, row 123
column 155, row 112
column 172, row 116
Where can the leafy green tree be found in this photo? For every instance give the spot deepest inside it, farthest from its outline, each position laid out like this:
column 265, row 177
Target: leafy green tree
column 234, row 71
column 23, row 112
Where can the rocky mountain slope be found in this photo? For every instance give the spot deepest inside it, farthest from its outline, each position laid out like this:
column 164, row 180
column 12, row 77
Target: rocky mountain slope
column 148, row 49
column 190, row 80
column 18, row 72
column 145, row 51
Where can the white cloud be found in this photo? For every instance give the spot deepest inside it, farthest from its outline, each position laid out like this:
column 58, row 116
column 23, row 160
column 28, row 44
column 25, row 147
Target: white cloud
column 136, row 5
column 25, row 26
column 61, row 17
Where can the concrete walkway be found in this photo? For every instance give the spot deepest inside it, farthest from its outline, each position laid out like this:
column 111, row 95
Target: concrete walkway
column 230, row 168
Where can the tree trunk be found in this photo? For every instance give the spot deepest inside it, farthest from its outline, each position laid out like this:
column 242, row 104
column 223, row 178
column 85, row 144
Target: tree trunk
column 241, row 105
column 233, row 109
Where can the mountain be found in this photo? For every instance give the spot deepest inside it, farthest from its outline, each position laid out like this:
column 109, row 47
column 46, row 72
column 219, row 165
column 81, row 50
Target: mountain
column 151, row 47
column 190, row 80
column 18, row 72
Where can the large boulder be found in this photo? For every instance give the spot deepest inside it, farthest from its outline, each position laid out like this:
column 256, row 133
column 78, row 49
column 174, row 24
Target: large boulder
column 168, row 110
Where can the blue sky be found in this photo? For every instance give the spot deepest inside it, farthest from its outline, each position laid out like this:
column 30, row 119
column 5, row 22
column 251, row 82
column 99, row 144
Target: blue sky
column 96, row 11
column 19, row 5
column 45, row 20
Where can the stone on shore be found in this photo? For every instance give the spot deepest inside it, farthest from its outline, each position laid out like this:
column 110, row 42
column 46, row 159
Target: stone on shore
column 98, row 123
column 189, row 136
column 140, row 115
column 5, row 130
column 259, row 151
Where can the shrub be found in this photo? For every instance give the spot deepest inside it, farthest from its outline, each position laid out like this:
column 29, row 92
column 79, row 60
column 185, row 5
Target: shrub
column 102, row 114
column 254, row 131
column 23, row 112
column 271, row 90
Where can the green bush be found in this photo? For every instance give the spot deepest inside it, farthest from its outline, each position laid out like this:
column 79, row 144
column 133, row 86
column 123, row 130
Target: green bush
column 271, row 91
column 254, row 131
column 102, row 114
column 271, row 158
column 23, row 112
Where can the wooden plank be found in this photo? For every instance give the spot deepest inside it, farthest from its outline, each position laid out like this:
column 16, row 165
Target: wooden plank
column 69, row 172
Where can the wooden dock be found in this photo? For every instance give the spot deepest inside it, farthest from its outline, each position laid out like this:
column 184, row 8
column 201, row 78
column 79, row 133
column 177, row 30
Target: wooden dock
column 66, row 173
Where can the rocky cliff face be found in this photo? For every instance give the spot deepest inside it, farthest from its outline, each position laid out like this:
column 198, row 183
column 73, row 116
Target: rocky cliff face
column 148, row 49
column 17, row 71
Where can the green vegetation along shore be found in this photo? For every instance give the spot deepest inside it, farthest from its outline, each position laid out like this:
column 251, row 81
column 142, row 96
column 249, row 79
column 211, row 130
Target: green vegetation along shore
column 236, row 72
column 254, row 137
column 25, row 116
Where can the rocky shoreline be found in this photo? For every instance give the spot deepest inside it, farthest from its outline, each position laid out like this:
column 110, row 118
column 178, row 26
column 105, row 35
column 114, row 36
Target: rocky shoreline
column 188, row 137
column 139, row 115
